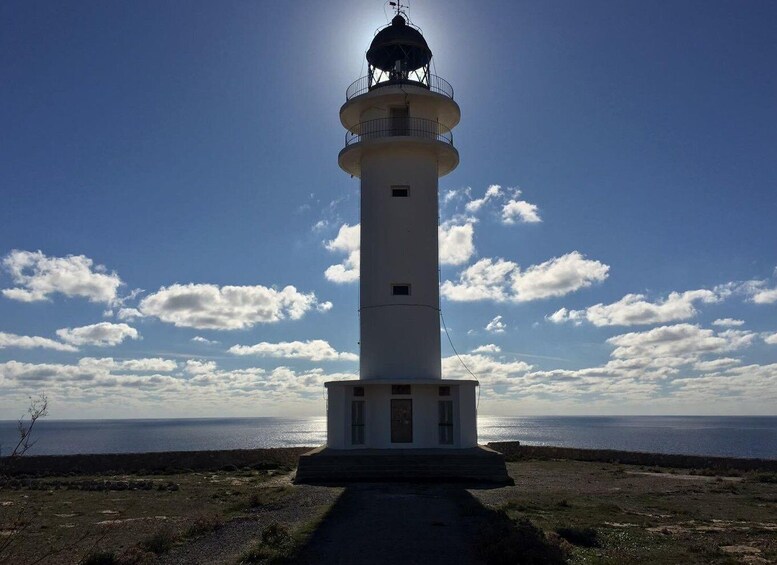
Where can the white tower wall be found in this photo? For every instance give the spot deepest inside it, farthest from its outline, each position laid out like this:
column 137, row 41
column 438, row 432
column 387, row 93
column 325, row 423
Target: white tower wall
column 400, row 335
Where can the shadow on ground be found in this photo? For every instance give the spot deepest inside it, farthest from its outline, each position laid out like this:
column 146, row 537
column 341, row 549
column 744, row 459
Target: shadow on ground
column 391, row 523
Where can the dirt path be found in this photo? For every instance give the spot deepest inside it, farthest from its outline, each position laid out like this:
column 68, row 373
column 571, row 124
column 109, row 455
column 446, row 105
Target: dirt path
column 390, row 524
column 228, row 543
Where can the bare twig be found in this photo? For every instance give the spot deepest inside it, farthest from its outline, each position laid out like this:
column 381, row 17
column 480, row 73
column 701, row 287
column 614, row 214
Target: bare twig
column 38, row 409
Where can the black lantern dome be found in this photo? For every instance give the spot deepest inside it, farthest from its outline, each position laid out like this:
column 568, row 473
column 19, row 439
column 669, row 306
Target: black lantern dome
column 397, row 54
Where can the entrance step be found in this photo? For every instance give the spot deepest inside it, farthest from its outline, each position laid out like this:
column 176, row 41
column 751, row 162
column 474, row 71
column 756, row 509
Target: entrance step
column 479, row 464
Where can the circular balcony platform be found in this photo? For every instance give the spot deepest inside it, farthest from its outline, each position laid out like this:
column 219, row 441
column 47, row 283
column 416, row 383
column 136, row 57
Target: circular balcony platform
column 398, row 132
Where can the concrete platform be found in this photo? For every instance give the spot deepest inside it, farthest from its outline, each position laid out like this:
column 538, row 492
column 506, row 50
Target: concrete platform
column 337, row 466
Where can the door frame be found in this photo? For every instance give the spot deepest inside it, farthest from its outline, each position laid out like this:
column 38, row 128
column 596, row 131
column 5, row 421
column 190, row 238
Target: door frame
column 409, row 402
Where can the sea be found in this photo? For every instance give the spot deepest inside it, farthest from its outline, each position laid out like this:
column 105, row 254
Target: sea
column 729, row 436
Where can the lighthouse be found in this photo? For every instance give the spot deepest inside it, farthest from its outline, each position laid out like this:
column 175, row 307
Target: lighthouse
column 399, row 122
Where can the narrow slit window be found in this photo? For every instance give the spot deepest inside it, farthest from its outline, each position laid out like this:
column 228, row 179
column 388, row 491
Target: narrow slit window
column 357, row 422
column 446, row 422
column 400, row 289
column 400, row 191
column 400, row 389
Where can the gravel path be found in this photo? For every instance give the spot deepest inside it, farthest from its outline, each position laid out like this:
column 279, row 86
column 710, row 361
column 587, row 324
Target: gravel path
column 395, row 523
column 228, row 543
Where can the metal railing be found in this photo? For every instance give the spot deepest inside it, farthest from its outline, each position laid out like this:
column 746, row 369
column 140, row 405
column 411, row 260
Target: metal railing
column 399, row 127
column 434, row 83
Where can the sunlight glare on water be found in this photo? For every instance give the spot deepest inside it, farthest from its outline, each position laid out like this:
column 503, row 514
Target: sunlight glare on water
column 735, row 436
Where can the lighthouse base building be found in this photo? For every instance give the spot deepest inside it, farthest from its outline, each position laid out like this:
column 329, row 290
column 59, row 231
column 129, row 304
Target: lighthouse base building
column 399, row 414
column 401, row 419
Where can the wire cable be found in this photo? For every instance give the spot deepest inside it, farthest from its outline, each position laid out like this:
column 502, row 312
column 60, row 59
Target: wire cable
column 463, row 364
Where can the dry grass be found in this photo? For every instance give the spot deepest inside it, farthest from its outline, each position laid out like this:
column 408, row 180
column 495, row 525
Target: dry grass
column 101, row 515
column 611, row 514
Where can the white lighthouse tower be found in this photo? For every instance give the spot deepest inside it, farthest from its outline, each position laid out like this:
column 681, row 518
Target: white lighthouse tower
column 399, row 121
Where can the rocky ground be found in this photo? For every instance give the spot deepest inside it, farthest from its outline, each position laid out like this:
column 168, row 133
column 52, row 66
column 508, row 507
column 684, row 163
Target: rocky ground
column 558, row 511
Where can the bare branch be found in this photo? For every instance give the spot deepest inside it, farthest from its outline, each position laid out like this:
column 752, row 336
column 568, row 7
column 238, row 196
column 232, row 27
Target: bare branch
column 38, row 409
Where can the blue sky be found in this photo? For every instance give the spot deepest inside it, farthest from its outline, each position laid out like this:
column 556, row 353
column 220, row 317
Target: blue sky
column 172, row 204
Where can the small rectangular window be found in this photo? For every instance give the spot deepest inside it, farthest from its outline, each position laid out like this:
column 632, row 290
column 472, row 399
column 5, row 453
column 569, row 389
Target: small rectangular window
column 357, row 422
column 358, row 391
column 400, row 191
column 445, row 391
column 400, row 389
column 400, row 289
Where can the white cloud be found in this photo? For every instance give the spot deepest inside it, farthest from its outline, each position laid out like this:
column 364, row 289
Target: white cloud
column 101, row 335
column 39, row 276
column 141, row 383
column 728, row 322
column 347, row 241
column 484, row 280
column 771, row 339
column 487, row 370
column 487, row 348
column 503, row 280
column 678, row 343
column 143, row 365
column 756, row 290
column 128, row 314
column 765, row 296
column 206, row 341
column 492, row 192
column 454, row 194
column 563, row 315
column 30, row 342
column 557, row 277
column 456, row 243
column 197, row 367
column 208, row 306
column 520, row 211
column 313, row 350
column 512, row 208
column 715, row 364
column 635, row 309
column 496, row 326
column 92, row 376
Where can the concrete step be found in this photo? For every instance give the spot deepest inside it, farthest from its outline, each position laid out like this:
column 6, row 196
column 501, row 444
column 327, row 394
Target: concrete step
column 326, row 466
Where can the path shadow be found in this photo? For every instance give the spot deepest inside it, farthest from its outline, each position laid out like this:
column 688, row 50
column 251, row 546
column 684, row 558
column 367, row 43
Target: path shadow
column 399, row 523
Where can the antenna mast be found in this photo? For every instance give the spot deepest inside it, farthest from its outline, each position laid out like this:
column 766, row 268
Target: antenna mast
column 399, row 7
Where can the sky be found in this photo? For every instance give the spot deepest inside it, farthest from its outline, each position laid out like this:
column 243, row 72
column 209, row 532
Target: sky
column 177, row 240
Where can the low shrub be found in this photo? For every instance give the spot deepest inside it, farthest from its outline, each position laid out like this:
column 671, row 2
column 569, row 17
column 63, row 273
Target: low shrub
column 160, row 542
column 204, row 524
column 100, row 558
column 503, row 542
column 276, row 536
column 582, row 537
column 276, row 547
column 136, row 556
column 766, row 478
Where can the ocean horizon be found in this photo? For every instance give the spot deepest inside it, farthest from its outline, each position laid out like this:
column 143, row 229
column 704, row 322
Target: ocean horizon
column 725, row 436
